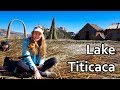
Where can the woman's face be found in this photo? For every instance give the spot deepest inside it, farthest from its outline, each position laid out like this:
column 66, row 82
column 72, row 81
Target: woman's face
column 36, row 35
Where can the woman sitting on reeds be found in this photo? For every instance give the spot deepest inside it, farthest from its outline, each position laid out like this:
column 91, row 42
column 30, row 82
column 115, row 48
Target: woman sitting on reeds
column 33, row 60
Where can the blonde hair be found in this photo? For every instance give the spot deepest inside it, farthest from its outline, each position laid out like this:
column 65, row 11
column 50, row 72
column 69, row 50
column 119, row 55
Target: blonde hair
column 38, row 47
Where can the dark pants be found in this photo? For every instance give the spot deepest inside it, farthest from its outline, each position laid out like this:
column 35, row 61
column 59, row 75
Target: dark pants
column 20, row 67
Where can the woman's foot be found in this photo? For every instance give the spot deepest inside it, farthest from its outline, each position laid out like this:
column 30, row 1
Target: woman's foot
column 50, row 74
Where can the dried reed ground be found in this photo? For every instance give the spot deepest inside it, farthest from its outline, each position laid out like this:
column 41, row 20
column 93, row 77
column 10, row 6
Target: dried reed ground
column 71, row 50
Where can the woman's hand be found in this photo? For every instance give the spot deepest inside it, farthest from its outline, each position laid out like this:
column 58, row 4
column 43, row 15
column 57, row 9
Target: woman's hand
column 37, row 75
column 39, row 67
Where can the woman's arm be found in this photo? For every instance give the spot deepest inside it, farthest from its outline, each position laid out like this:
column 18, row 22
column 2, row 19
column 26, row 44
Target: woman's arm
column 25, row 52
column 28, row 60
column 41, row 63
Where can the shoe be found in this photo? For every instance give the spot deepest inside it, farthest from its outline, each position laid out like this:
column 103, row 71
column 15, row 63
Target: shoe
column 51, row 74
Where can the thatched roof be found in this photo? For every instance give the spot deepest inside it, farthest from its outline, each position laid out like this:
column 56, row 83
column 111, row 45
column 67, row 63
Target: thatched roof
column 114, row 26
column 100, row 36
column 96, row 27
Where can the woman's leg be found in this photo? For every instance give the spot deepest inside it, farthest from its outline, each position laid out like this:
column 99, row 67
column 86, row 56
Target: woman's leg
column 15, row 66
column 23, row 70
column 48, row 64
column 22, row 67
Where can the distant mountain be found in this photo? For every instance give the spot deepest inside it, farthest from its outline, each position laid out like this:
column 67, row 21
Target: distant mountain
column 12, row 33
column 61, row 34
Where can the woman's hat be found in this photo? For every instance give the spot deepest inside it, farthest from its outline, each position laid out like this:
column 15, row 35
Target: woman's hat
column 39, row 29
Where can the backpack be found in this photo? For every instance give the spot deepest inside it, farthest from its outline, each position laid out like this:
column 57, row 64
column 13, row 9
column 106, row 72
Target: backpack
column 4, row 46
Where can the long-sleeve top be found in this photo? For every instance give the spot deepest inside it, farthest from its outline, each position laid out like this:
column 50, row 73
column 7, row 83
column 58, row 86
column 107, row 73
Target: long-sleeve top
column 31, row 59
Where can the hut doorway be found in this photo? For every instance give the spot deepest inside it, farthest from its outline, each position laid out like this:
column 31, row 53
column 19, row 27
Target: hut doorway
column 87, row 35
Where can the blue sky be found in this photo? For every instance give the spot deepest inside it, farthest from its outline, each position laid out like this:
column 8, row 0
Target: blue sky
column 71, row 20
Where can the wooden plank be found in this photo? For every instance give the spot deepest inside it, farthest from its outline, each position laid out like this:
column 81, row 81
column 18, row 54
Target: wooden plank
column 12, row 77
column 2, row 70
column 7, row 77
